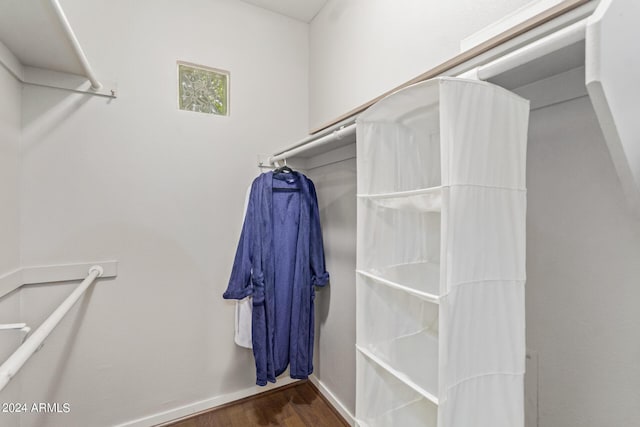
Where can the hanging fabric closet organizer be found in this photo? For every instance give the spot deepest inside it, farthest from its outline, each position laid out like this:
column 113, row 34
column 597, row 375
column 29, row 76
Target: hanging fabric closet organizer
column 441, row 257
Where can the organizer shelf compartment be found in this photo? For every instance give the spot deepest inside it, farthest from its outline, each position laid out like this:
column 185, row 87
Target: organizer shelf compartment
column 409, row 158
column 389, row 401
column 395, row 327
column 440, row 257
column 404, row 246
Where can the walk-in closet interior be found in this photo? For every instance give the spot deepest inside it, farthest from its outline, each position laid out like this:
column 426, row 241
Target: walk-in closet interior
column 428, row 210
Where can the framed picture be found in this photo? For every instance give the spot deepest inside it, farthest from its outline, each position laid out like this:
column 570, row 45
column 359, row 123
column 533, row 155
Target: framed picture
column 203, row 89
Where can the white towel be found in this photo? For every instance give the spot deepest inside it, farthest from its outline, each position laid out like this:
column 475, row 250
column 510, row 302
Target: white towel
column 244, row 307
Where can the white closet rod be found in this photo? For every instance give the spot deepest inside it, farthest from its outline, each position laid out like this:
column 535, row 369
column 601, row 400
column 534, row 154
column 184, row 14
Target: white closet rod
column 95, row 84
column 555, row 41
column 19, row 357
column 337, row 134
column 537, row 49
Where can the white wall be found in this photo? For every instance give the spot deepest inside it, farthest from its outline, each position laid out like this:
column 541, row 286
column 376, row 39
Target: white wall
column 360, row 49
column 335, row 362
column 583, row 274
column 10, row 100
column 158, row 189
column 161, row 190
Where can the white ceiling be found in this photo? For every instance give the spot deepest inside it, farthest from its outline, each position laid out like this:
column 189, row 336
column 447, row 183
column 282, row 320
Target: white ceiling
column 302, row 10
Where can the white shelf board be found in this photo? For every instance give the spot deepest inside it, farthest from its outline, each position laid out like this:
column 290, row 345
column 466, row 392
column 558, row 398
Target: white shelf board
column 422, row 200
column 31, row 30
column 422, row 295
column 36, row 50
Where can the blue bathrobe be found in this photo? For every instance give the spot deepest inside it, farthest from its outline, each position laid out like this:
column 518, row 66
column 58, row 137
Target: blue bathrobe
column 279, row 261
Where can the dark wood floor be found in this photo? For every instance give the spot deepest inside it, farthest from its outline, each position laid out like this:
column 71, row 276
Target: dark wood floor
column 297, row 405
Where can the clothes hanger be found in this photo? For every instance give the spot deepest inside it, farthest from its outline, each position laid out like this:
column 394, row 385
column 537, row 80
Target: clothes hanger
column 284, row 168
column 287, row 170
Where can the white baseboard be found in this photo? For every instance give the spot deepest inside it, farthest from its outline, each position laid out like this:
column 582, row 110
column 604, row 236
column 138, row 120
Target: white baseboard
column 210, row 403
column 202, row 405
column 52, row 274
column 335, row 402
